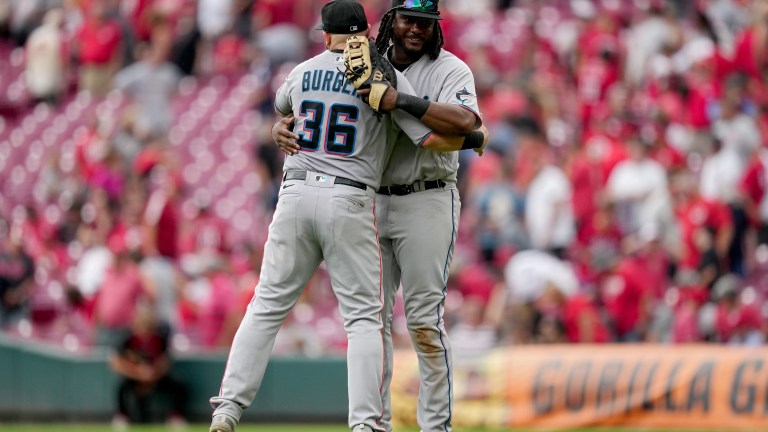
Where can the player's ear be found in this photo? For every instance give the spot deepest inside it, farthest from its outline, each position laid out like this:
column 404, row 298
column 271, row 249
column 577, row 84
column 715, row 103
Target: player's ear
column 327, row 40
column 368, row 32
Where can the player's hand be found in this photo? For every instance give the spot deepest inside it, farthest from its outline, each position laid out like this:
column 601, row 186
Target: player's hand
column 486, row 135
column 388, row 101
column 283, row 136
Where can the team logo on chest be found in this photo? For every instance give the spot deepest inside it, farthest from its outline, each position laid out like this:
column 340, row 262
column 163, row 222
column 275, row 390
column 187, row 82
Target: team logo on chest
column 465, row 97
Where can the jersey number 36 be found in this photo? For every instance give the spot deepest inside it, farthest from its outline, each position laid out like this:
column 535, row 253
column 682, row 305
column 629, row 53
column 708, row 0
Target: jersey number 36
column 340, row 130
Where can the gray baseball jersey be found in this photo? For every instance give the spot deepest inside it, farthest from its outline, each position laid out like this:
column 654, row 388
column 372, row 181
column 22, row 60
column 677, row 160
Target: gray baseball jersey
column 447, row 79
column 321, row 216
column 332, row 122
column 417, row 235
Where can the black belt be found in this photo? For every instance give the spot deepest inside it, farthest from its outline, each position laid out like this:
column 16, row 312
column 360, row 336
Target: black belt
column 401, row 190
column 302, row 175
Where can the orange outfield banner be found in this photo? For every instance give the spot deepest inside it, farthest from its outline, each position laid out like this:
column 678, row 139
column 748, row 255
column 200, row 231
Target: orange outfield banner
column 566, row 386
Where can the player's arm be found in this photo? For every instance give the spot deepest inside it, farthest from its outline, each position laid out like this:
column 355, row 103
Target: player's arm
column 434, row 140
column 284, row 137
column 282, row 131
column 447, row 143
column 441, row 117
column 453, row 112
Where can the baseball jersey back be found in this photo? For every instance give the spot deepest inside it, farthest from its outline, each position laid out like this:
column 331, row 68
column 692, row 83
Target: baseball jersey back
column 448, row 80
column 339, row 133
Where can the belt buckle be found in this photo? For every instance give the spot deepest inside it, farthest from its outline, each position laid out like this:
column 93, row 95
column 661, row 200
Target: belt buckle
column 402, row 190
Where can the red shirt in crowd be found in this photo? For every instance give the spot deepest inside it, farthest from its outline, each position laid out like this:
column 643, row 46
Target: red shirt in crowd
column 580, row 309
column 475, row 281
column 702, row 94
column 162, row 214
column 699, row 214
column 205, row 233
column 731, row 321
column 138, row 11
column 594, row 77
column 753, row 185
column 214, row 312
column 749, row 57
column 116, row 301
column 669, row 157
column 273, row 12
column 99, row 41
column 624, row 294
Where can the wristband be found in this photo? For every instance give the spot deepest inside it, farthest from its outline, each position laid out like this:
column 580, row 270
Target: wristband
column 413, row 105
column 473, row 140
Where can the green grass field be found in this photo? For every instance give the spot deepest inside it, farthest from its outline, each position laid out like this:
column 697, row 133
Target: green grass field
column 261, row 428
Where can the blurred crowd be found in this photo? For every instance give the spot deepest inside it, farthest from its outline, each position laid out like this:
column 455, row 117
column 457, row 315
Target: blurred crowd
column 622, row 198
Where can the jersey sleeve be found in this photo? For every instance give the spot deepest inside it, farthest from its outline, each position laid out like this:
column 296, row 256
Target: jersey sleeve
column 459, row 87
column 410, row 125
column 283, row 97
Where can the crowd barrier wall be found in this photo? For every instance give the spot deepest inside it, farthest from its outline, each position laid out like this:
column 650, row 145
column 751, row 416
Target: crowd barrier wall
column 646, row 386
column 42, row 383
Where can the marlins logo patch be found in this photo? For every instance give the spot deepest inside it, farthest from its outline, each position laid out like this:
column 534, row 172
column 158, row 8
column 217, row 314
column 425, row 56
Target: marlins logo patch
column 465, row 97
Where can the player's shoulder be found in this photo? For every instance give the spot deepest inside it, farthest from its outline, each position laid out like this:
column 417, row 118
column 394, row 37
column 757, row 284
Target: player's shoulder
column 448, row 59
column 310, row 63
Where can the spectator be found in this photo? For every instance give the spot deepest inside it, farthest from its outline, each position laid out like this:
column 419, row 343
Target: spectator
column 46, row 59
column 160, row 220
column 736, row 130
column 736, row 322
column 142, row 361
column 25, row 17
column 214, row 18
column 279, row 29
column 97, row 49
column 696, row 217
column 528, row 273
column 160, row 276
column 151, row 84
column 748, row 54
column 16, row 277
column 476, row 331
column 121, row 292
column 627, row 293
column 638, row 187
column 496, row 209
column 205, row 235
column 6, row 11
column 548, row 211
column 647, row 38
column 755, row 194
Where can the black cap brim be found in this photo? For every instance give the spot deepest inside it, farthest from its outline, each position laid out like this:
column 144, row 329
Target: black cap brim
column 418, row 14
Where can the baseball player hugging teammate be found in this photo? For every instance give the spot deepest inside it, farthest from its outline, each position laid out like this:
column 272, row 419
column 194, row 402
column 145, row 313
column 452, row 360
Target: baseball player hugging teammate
column 417, row 204
column 327, row 210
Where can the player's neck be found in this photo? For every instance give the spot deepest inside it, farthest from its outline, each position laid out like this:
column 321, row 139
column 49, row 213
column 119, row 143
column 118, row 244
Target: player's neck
column 401, row 60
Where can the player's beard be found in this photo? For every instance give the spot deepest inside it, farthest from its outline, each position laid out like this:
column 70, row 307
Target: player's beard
column 412, row 51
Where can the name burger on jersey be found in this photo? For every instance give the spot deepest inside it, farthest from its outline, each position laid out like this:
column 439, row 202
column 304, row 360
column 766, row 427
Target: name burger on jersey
column 327, row 81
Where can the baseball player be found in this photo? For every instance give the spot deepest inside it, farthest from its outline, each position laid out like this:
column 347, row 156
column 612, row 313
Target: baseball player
column 325, row 211
column 418, row 204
